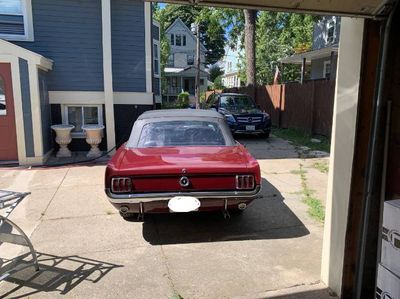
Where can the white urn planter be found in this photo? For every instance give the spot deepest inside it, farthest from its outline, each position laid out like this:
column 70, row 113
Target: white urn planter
column 94, row 134
column 63, row 138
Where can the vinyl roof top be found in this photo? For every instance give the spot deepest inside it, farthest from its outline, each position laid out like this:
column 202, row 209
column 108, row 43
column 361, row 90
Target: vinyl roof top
column 180, row 113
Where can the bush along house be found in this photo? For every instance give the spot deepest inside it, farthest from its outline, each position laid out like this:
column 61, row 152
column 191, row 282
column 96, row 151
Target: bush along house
column 74, row 62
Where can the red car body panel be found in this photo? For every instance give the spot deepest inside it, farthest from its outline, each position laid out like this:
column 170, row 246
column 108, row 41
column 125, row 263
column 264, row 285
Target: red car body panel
column 154, row 173
column 159, row 169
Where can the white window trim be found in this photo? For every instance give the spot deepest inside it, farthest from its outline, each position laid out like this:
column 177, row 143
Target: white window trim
column 64, row 117
column 156, row 42
column 325, row 67
column 28, row 25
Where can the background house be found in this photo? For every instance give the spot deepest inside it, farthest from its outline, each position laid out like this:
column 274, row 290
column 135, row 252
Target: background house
column 181, row 68
column 322, row 59
column 75, row 62
column 230, row 65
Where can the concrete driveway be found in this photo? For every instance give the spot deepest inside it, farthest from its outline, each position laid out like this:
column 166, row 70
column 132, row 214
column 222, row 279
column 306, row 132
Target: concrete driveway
column 87, row 250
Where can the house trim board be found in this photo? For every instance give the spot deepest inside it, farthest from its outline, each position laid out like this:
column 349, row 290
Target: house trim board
column 98, row 98
column 107, row 72
column 148, row 46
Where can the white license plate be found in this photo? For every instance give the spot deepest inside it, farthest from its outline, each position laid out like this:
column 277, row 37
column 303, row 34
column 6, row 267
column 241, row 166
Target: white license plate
column 250, row 128
column 183, row 204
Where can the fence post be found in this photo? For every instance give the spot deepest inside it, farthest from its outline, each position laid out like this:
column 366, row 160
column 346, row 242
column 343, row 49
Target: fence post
column 280, row 106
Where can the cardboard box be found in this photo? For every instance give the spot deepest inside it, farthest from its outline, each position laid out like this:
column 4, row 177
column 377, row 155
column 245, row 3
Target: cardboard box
column 390, row 256
column 387, row 284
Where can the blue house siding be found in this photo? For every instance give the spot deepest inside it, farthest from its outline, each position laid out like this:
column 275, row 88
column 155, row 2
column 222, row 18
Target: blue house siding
column 128, row 45
column 26, row 108
column 45, row 110
column 70, row 33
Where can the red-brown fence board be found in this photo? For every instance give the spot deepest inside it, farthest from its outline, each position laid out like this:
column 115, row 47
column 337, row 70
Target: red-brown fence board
column 307, row 107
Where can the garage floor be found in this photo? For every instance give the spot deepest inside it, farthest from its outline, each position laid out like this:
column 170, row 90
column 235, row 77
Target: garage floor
column 86, row 249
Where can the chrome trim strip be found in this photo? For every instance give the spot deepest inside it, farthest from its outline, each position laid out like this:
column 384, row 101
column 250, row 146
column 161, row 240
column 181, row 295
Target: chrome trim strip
column 149, row 197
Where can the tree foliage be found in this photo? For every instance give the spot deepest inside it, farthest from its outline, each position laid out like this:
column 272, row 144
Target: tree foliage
column 215, row 71
column 212, row 31
column 164, row 45
column 280, row 35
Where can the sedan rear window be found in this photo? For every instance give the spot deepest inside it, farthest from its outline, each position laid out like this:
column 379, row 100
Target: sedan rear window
column 181, row 133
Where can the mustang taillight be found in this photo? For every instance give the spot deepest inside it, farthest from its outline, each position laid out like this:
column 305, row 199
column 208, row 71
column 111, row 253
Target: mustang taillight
column 121, row 185
column 245, row 182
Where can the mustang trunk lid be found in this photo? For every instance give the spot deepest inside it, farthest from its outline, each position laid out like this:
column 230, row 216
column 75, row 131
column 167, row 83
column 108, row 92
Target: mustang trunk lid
column 161, row 168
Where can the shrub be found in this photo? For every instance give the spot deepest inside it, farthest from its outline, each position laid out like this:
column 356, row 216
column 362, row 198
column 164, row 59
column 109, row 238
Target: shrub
column 183, row 100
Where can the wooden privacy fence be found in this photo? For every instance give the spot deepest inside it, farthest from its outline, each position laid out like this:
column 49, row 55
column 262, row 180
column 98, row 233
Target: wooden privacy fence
column 307, row 107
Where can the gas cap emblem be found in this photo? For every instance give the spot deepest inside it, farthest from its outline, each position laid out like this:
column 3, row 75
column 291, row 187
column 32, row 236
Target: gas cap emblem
column 184, row 181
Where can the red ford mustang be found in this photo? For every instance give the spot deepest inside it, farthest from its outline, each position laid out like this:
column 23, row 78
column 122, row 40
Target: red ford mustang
column 181, row 161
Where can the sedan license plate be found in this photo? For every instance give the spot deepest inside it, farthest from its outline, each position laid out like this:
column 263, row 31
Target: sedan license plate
column 183, row 204
column 250, row 128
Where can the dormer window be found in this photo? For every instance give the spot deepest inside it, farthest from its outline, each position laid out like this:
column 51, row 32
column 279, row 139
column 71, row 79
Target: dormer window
column 330, row 31
column 16, row 20
column 178, row 40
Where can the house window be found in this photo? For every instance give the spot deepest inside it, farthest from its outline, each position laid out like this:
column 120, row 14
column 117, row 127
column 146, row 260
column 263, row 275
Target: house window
column 327, row 69
column 178, row 40
column 83, row 115
column 201, row 81
column 3, row 108
column 16, row 20
column 170, row 61
column 190, row 59
column 172, row 39
column 156, row 58
column 183, row 40
column 330, row 33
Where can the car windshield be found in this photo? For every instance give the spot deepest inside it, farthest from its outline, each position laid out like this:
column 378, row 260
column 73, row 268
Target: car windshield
column 237, row 102
column 181, row 133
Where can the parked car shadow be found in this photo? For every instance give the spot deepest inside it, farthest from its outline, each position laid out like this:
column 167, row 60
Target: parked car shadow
column 267, row 218
column 59, row 274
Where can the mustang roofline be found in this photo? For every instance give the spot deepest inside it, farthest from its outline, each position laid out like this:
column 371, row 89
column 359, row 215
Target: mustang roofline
column 165, row 196
column 189, row 113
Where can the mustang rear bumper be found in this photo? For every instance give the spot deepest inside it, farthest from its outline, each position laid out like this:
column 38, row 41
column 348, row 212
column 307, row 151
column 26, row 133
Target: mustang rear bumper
column 149, row 197
column 158, row 202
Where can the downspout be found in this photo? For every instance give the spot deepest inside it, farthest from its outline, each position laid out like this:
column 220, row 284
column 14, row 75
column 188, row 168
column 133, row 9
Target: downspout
column 374, row 154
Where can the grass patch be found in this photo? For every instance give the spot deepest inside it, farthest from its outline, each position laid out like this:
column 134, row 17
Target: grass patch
column 298, row 171
column 300, row 138
column 315, row 207
column 322, row 166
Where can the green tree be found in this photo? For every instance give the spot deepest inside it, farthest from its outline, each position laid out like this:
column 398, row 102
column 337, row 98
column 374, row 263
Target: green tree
column 215, row 71
column 280, row 35
column 217, row 84
column 212, row 31
column 159, row 16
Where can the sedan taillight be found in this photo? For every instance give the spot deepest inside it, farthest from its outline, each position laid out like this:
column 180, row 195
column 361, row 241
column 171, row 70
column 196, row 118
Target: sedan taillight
column 121, row 185
column 245, row 182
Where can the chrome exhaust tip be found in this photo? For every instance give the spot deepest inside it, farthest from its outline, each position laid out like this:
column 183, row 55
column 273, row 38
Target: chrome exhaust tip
column 242, row 206
column 124, row 209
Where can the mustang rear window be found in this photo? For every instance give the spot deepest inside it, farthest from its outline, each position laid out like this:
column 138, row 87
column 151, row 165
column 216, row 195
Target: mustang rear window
column 181, row 133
